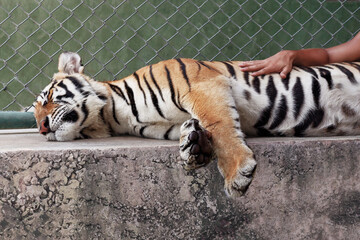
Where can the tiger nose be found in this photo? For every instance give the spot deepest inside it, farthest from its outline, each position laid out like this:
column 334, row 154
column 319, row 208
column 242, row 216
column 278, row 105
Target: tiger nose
column 44, row 127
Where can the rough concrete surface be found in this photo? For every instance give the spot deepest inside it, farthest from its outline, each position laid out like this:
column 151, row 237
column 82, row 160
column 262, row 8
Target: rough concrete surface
column 131, row 188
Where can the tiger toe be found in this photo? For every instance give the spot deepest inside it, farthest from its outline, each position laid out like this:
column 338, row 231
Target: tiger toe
column 195, row 148
column 238, row 185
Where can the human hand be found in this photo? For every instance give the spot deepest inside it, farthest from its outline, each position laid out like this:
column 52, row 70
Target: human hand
column 282, row 63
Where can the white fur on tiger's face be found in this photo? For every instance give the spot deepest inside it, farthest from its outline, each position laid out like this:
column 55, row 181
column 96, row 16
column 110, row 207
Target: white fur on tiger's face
column 209, row 106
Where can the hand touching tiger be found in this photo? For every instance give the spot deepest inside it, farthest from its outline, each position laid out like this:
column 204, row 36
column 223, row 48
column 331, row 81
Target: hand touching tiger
column 209, row 106
column 283, row 61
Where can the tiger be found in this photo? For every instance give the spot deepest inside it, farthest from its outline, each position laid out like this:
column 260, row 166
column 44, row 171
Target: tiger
column 209, row 106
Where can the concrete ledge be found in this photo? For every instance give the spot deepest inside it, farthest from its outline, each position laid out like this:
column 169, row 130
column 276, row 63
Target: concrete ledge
column 131, row 188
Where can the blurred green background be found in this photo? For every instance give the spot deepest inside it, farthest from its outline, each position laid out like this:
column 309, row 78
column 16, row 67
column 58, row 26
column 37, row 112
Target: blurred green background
column 115, row 38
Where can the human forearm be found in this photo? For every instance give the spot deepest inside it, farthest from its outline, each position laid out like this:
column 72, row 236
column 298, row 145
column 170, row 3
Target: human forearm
column 310, row 57
column 346, row 52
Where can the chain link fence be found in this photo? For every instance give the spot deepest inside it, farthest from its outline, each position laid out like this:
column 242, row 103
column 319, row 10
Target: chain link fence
column 115, row 38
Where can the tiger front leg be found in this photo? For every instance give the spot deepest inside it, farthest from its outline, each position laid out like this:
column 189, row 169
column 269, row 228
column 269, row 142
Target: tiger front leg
column 213, row 105
column 237, row 168
column 235, row 159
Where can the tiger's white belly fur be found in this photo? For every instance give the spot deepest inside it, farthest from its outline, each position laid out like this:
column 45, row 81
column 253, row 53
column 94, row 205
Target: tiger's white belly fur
column 335, row 106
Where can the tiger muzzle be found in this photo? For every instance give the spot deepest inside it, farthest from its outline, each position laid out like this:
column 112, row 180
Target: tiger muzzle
column 44, row 127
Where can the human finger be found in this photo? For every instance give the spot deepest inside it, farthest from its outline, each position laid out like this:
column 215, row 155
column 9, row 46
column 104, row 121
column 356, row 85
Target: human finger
column 255, row 67
column 249, row 63
column 285, row 71
column 251, row 68
column 261, row 72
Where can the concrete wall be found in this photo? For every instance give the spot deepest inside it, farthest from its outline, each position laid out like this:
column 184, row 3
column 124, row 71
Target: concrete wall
column 130, row 188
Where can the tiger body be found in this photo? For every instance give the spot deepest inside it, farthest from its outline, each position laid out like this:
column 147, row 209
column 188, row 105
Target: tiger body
column 158, row 101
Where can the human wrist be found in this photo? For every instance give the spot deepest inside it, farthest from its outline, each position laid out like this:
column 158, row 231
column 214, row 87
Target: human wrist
column 291, row 55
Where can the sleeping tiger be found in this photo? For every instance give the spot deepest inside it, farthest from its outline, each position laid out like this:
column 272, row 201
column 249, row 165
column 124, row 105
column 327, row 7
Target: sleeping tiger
column 208, row 106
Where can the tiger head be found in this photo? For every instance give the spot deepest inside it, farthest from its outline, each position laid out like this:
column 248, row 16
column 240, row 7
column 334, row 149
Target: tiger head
column 69, row 107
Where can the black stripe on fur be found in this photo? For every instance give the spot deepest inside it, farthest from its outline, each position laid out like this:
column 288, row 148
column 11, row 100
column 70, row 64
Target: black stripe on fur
column 266, row 113
column 155, row 82
column 298, row 94
column 130, row 94
column 280, row 113
column 154, row 98
column 173, row 97
column 183, row 71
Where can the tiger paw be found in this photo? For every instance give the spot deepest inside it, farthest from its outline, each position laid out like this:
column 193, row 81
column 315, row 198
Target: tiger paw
column 195, row 145
column 237, row 185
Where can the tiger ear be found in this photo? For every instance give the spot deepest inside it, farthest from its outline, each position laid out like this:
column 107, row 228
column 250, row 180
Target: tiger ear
column 70, row 63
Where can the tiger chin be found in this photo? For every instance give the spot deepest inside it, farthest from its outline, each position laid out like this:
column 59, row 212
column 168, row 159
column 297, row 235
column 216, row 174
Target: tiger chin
column 207, row 106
